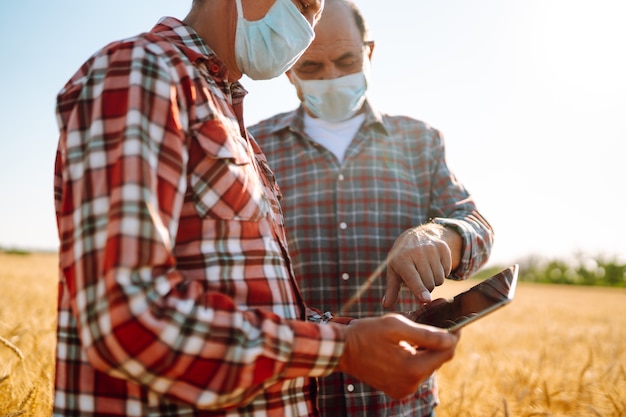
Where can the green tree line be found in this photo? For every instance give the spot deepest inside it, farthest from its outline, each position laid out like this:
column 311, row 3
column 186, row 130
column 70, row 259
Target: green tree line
column 582, row 270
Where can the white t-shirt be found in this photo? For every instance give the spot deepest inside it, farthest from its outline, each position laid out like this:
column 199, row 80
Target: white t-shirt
column 335, row 137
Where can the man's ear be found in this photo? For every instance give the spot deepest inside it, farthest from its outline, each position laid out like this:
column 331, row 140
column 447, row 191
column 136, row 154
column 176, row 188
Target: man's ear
column 371, row 45
column 288, row 74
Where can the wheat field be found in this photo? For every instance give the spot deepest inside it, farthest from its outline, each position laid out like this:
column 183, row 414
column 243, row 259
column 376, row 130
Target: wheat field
column 555, row 351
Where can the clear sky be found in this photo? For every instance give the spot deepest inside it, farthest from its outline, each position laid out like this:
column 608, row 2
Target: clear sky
column 530, row 96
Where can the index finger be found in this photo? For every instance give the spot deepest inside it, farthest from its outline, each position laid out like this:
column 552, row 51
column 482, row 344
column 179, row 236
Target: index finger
column 408, row 274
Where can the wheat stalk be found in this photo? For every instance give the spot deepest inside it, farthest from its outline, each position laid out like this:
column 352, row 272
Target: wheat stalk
column 11, row 346
column 15, row 414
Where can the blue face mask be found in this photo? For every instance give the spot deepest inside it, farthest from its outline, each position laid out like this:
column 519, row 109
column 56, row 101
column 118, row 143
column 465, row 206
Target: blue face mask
column 268, row 47
column 334, row 100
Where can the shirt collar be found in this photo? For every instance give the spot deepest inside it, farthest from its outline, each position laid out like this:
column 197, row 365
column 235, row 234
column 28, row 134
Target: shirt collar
column 191, row 44
column 197, row 51
column 374, row 118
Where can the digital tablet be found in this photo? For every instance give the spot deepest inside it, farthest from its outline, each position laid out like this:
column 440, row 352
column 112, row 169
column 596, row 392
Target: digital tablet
column 470, row 305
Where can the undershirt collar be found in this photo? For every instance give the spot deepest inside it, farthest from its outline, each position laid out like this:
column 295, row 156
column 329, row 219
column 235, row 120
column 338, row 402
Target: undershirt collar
column 335, row 137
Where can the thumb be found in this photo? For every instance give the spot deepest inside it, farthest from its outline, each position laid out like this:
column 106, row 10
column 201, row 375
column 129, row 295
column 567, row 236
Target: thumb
column 429, row 337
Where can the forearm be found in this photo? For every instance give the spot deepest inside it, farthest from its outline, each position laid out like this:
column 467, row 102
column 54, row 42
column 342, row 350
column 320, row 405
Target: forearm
column 453, row 207
column 182, row 344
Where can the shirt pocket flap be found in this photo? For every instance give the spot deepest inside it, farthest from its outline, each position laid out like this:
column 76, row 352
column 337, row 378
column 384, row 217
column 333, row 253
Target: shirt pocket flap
column 217, row 142
column 222, row 177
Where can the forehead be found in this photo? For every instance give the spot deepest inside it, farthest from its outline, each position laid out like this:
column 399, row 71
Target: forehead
column 335, row 34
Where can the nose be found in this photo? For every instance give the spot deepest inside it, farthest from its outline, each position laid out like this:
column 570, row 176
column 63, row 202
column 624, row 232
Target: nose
column 331, row 72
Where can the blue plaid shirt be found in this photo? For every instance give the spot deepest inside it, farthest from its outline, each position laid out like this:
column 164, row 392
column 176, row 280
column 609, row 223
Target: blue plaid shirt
column 342, row 218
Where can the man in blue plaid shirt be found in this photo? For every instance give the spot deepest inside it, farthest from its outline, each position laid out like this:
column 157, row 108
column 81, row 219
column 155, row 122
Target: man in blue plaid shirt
column 369, row 202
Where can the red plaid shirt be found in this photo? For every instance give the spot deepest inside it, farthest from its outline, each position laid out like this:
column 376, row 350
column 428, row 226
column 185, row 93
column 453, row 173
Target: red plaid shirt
column 176, row 292
column 343, row 217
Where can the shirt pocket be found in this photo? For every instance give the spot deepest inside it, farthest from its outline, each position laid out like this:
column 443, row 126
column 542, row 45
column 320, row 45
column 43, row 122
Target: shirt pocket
column 223, row 181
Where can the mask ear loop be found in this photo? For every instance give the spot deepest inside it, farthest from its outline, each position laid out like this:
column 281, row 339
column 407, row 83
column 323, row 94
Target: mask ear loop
column 239, row 9
column 366, row 67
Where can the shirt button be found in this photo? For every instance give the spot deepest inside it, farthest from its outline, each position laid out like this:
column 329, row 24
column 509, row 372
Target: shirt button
column 343, row 225
column 345, row 276
column 340, row 177
column 350, row 388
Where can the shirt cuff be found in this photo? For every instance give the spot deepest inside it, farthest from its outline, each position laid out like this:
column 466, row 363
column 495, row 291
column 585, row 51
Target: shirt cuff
column 316, row 349
column 466, row 264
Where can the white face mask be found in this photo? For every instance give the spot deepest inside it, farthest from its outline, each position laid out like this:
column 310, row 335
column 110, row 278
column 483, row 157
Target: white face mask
column 334, row 100
column 268, row 47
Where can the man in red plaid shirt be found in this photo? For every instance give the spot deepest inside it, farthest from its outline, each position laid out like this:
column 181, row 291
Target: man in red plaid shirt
column 359, row 187
column 177, row 295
